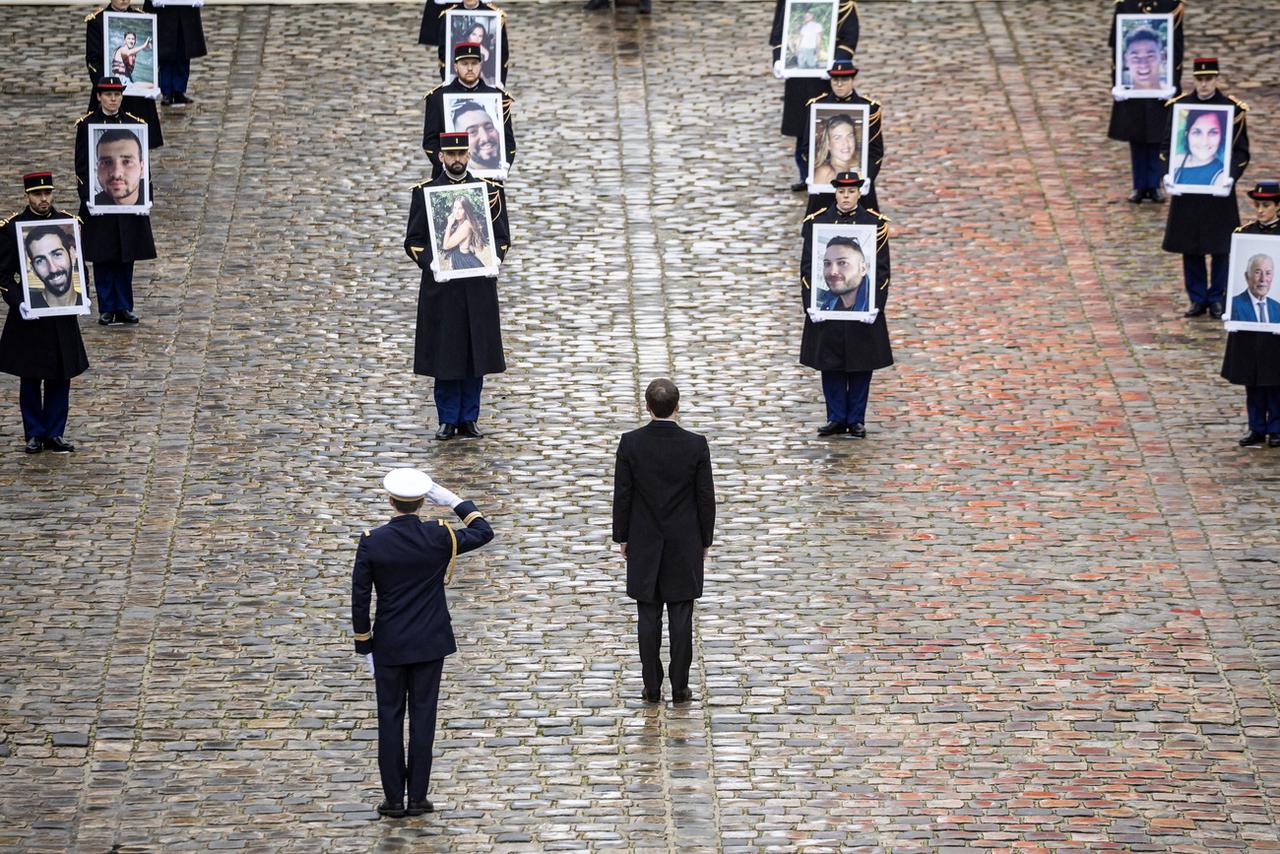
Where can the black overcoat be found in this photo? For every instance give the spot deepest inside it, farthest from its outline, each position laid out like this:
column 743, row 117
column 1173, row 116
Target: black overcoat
column 1200, row 224
column 1144, row 120
column 433, row 25
column 459, row 332
column 433, row 120
column 875, row 147
column 798, row 91
column 1253, row 358
column 847, row 345
column 109, row 237
column 143, row 108
column 46, row 348
column 180, row 32
column 664, row 509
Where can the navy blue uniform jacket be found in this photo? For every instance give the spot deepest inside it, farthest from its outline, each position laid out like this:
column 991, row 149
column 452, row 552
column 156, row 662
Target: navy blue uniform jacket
column 405, row 561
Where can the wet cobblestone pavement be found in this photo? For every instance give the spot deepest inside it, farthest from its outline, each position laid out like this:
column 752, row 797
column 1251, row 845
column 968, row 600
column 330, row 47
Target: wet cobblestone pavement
column 1035, row 610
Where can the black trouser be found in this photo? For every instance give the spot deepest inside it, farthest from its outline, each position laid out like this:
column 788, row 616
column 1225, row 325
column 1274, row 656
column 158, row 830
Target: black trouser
column 680, row 625
column 419, row 685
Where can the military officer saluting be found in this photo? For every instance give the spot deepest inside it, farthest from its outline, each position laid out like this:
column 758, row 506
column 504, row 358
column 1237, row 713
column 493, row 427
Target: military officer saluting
column 847, row 351
column 408, row 561
column 459, row 335
column 840, row 135
column 435, row 31
column 481, row 128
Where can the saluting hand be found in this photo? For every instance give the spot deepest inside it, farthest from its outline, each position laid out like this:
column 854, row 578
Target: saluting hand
column 437, row 494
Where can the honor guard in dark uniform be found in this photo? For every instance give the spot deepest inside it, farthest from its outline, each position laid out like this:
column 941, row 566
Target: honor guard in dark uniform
column 180, row 32
column 40, row 351
column 1144, row 122
column 466, row 68
column 408, row 561
column 93, row 60
column 847, row 351
column 459, row 334
column 113, row 242
column 1253, row 358
column 1199, row 224
column 434, row 31
column 799, row 91
column 840, row 90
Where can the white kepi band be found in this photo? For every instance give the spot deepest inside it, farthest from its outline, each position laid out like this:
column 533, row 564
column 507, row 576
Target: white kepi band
column 407, row 484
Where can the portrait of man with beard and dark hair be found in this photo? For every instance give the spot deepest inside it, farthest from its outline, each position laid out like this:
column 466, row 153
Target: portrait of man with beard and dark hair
column 844, row 272
column 471, row 116
column 120, row 168
column 51, row 254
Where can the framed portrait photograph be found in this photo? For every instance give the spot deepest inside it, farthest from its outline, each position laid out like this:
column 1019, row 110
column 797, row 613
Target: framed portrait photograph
column 52, row 269
column 842, row 274
column 129, row 52
column 119, row 165
column 195, row 3
column 479, row 116
column 482, row 26
column 1200, row 147
column 461, row 230
column 809, row 37
column 1252, row 300
column 1144, row 55
column 838, row 142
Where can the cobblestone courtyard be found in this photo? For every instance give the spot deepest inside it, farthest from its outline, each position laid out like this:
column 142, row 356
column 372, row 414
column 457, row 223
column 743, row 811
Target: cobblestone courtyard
column 1035, row 610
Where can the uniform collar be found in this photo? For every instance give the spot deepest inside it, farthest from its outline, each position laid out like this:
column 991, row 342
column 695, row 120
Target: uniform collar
column 49, row 215
column 405, row 516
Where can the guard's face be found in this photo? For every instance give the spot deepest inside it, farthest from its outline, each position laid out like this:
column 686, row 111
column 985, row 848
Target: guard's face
column 842, row 269
column 1266, row 210
column 482, row 137
column 455, row 162
column 111, row 101
column 40, row 201
column 467, row 69
column 847, row 198
column 1204, row 137
column 1259, row 276
column 1145, row 61
column 120, row 170
column 119, row 5
column 1206, row 84
column 52, row 262
column 842, row 86
column 840, row 142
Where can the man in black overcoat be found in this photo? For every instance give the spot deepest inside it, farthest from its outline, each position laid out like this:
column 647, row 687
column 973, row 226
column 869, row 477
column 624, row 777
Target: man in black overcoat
column 798, row 91
column 409, row 562
column 434, row 31
column 466, row 69
column 1253, row 358
column 113, row 242
column 180, row 33
column 664, row 517
column 44, row 351
column 840, row 90
column 1144, row 122
column 459, row 334
column 137, row 105
column 846, row 351
column 1201, row 225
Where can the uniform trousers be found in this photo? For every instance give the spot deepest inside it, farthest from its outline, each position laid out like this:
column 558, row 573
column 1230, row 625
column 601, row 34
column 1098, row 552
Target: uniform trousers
column 44, row 417
column 458, row 400
column 174, row 75
column 846, row 395
column 1262, row 402
column 680, row 626
column 802, row 162
column 417, row 687
column 1145, row 158
column 1200, row 288
column 113, row 281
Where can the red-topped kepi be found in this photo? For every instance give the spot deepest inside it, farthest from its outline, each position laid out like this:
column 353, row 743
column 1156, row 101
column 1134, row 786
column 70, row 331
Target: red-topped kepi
column 109, row 84
column 847, row 179
column 467, row 50
column 33, row 181
column 454, row 141
column 1205, row 66
column 1265, row 191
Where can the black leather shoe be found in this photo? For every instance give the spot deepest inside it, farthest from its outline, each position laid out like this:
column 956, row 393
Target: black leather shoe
column 420, row 807
column 1216, row 310
column 595, row 5
column 652, row 696
column 1156, row 195
column 391, row 810
column 799, row 186
column 681, row 696
column 646, row 6
column 857, row 431
column 167, row 100
column 58, row 446
column 108, row 318
column 127, row 317
column 181, row 99
column 1273, row 440
column 446, row 431
column 1252, row 439
column 1195, row 309
column 470, row 430
column 34, row 446
column 1137, row 196
column 831, row 428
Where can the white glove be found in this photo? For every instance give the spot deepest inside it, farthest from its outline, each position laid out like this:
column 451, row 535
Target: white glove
column 1120, row 93
column 1168, row 92
column 434, row 267
column 814, row 315
column 368, row 660
column 504, row 172
column 871, row 318
column 1226, row 181
column 1167, row 180
column 777, row 68
column 866, row 185
column 439, row 495
column 25, row 311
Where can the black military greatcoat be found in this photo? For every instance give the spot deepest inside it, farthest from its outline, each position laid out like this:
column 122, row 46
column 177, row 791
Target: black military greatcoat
column 459, row 331
column 432, row 32
column 1145, row 120
column 847, row 345
column 798, row 91
column 144, row 108
column 433, row 122
column 180, row 32
column 1201, row 224
column 47, row 348
column 1253, row 358
column 108, row 237
column 875, row 146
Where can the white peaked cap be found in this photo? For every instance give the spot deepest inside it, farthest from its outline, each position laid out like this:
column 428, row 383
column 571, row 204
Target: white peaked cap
column 407, row 484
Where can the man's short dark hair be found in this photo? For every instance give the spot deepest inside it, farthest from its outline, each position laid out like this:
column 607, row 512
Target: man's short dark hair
column 1142, row 34
column 119, row 136
column 31, row 235
column 851, row 242
column 467, row 107
column 661, row 397
column 407, row 506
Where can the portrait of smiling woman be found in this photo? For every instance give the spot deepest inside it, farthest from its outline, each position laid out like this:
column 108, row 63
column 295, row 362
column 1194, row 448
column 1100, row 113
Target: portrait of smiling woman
column 1201, row 147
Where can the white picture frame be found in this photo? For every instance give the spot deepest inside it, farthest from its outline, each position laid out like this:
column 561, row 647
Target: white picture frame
column 459, row 26
column 1201, row 132
column 1254, row 258
column 477, row 255
column 191, row 3
column 140, row 68
column 480, row 116
column 117, row 170
column 809, row 37
column 836, row 130
column 825, row 273
column 1148, row 56
column 50, row 260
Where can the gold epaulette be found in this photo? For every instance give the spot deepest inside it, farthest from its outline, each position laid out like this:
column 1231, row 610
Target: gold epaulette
column 432, row 92
column 421, row 185
column 1176, row 99
column 873, row 102
column 815, row 213
column 95, row 13
column 85, row 116
column 76, row 218
column 136, row 119
column 877, row 213
column 366, row 532
column 9, row 219
column 1241, row 104
column 814, row 100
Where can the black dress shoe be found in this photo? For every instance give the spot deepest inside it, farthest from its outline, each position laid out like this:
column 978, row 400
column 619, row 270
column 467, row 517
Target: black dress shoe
column 1156, row 195
column 1252, row 439
column 108, row 318
column 831, row 428
column 1137, row 196
column 681, row 696
column 1273, row 440
column 126, row 317
column 420, row 807
column 181, row 99
column 857, row 431
column 799, row 186
column 391, row 810
column 646, row 6
column 652, row 696
column 470, row 430
column 1195, row 309
column 1216, row 310
column 34, row 446
column 58, row 446
column 595, row 5
column 446, row 431
column 167, row 100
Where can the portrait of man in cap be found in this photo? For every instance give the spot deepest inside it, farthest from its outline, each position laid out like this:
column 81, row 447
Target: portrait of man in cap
column 52, row 255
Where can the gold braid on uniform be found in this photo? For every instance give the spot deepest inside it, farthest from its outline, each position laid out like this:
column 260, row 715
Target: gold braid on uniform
column 364, row 636
column 472, row 516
